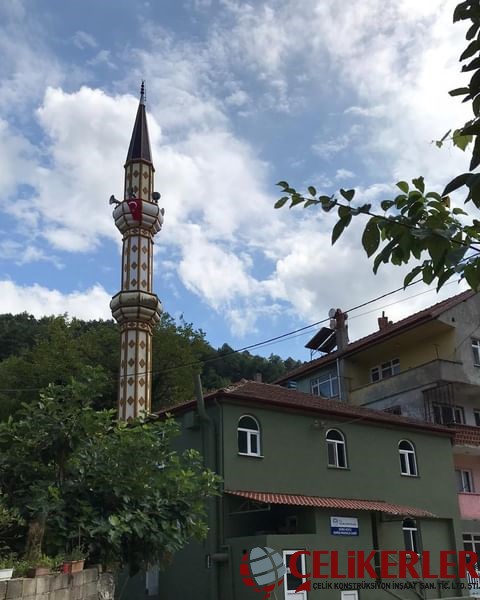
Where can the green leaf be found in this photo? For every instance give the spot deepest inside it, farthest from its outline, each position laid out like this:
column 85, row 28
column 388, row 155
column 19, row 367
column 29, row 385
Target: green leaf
column 455, row 183
column 459, row 91
column 475, row 83
column 348, row 194
column 475, row 155
column 428, row 274
column 472, row 276
column 344, row 211
column 460, row 140
column 460, row 10
column 443, row 277
column 403, row 185
column 474, row 64
column 386, row 204
column 282, row 184
column 419, row 183
column 410, row 276
column 312, row 191
column 296, row 199
column 476, row 105
column 371, row 236
column 469, row 50
column 472, row 31
column 279, row 203
column 338, row 230
column 310, row 202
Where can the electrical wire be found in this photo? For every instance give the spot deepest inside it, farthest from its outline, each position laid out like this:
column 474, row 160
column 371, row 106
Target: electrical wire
column 296, row 332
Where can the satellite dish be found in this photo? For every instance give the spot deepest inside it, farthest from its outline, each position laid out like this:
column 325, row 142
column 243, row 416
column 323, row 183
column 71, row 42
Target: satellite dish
column 332, row 312
column 156, row 196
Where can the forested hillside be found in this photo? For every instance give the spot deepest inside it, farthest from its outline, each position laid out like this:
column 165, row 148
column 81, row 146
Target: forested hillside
column 37, row 352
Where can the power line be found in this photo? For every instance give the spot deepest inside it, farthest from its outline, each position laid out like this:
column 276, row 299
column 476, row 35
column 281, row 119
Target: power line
column 262, row 343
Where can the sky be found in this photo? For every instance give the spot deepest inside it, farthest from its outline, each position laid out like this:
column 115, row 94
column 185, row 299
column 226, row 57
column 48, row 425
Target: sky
column 240, row 95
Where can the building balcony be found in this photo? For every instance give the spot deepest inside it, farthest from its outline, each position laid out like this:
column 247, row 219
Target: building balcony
column 467, row 439
column 428, row 374
column 469, row 505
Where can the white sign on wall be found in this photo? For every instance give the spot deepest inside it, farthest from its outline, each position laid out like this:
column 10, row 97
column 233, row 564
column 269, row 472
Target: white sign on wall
column 343, row 525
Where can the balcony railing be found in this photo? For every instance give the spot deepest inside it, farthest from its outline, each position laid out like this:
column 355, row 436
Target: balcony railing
column 417, row 377
column 474, row 584
column 469, row 505
column 467, row 435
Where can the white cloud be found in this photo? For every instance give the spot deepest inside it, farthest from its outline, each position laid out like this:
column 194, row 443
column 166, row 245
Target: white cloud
column 342, row 174
column 83, row 40
column 40, row 301
column 392, row 63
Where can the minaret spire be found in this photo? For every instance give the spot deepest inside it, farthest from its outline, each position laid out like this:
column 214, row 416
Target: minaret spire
column 136, row 308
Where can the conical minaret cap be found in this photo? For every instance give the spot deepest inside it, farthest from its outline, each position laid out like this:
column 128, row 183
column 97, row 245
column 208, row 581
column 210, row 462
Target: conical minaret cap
column 140, row 143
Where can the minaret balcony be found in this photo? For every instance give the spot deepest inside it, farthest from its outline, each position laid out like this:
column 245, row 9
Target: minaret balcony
column 136, row 306
column 151, row 216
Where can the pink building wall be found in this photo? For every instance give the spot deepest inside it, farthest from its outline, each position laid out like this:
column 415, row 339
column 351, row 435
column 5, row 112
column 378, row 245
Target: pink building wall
column 469, row 504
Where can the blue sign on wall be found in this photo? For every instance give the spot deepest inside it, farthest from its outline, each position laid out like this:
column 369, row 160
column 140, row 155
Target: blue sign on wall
column 343, row 525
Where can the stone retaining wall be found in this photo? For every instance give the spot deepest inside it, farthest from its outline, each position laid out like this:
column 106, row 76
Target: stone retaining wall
column 86, row 585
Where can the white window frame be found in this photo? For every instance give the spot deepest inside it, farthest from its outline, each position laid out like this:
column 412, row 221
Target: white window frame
column 464, row 481
column 327, row 378
column 407, row 454
column 458, row 413
column 476, row 351
column 251, row 433
column 413, row 536
column 335, row 444
column 476, row 416
column 385, row 370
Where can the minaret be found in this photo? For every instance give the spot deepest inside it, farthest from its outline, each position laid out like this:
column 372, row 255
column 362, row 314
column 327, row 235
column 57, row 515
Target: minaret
column 136, row 308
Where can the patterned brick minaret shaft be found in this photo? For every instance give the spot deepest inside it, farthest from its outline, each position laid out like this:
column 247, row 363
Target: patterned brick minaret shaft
column 136, row 308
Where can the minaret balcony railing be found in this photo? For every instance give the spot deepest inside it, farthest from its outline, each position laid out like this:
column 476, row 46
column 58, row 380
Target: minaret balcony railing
column 152, row 217
column 136, row 306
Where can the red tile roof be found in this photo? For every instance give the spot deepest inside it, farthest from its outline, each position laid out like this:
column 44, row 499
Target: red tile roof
column 340, row 503
column 466, row 435
column 268, row 395
column 418, row 318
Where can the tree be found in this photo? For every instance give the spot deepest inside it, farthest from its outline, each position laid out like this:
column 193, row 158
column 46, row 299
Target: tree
column 78, row 478
column 419, row 224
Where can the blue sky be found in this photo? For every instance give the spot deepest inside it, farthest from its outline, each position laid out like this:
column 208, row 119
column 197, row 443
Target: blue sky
column 239, row 95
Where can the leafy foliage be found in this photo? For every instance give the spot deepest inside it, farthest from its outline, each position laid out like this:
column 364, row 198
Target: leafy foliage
column 52, row 350
column 419, row 225
column 79, row 479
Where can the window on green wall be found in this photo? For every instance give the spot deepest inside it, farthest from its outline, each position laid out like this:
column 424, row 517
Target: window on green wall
column 248, row 435
column 411, row 536
column 408, row 460
column 336, row 449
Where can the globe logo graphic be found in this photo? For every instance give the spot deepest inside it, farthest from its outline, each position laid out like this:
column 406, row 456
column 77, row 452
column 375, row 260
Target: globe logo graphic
column 262, row 569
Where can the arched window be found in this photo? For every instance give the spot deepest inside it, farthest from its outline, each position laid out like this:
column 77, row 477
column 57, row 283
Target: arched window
column 336, row 449
column 248, row 434
column 410, row 535
column 408, row 461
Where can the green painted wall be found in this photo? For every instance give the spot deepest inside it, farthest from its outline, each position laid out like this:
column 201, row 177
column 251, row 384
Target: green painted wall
column 295, row 460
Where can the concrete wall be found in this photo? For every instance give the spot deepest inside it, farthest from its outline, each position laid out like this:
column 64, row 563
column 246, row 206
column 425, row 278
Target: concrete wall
column 86, row 585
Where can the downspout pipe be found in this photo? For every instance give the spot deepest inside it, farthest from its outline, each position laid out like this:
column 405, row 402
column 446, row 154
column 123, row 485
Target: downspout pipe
column 207, row 427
